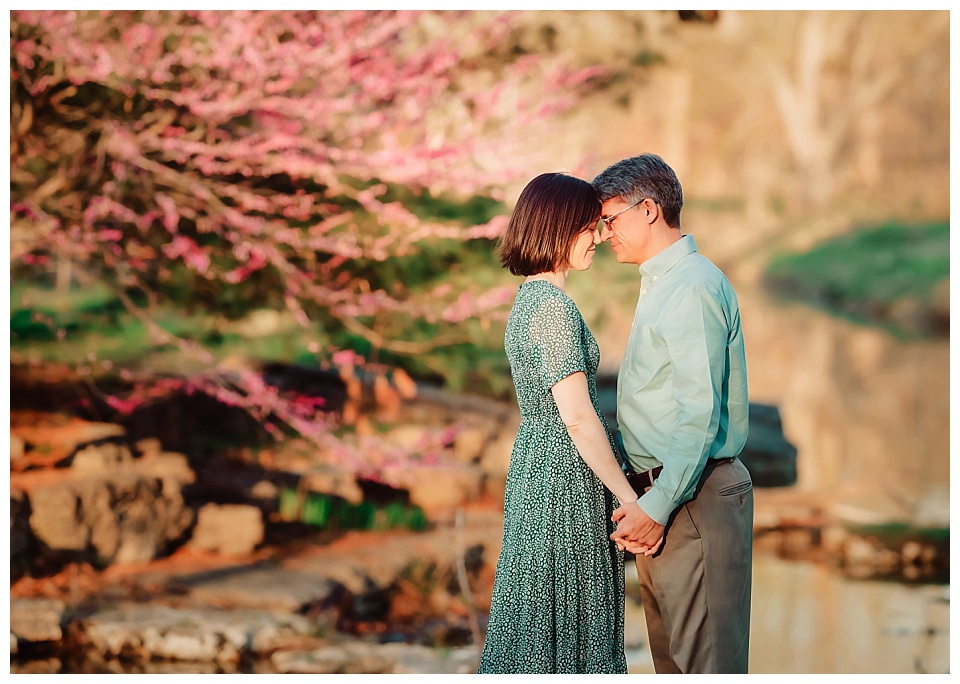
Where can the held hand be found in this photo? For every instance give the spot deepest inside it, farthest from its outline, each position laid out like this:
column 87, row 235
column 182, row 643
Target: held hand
column 635, row 549
column 636, row 530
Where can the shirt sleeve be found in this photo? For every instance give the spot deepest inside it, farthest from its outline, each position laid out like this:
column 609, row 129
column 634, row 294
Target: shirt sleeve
column 557, row 340
column 695, row 333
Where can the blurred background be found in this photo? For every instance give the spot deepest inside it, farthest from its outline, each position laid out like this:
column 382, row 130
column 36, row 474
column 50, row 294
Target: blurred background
column 260, row 412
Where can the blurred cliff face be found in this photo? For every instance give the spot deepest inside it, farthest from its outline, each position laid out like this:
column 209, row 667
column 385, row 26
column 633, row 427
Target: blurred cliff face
column 776, row 113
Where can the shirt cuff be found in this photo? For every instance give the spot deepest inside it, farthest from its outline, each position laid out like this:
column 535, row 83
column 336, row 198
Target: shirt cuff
column 657, row 505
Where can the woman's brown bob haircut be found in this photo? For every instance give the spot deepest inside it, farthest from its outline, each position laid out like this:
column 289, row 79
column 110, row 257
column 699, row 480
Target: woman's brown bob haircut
column 551, row 212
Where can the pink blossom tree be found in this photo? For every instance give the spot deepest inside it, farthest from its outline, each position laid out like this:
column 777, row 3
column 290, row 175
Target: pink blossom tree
column 262, row 147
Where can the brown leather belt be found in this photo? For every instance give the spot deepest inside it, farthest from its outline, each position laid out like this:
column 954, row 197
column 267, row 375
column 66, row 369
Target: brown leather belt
column 640, row 481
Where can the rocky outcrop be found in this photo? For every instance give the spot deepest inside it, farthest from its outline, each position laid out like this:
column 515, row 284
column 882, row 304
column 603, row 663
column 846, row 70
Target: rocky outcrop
column 125, row 518
column 230, row 529
column 104, row 503
column 770, row 458
column 439, row 489
column 35, row 620
column 260, row 588
column 145, row 632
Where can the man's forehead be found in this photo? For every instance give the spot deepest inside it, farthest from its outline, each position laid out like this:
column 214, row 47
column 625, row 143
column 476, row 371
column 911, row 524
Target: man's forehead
column 613, row 204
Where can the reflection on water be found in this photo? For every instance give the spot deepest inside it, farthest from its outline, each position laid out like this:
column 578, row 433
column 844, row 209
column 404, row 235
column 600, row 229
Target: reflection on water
column 808, row 618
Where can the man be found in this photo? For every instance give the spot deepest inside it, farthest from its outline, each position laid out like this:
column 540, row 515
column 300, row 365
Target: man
column 682, row 413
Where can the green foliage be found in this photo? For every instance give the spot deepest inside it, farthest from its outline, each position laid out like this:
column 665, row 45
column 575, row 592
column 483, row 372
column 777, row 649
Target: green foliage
column 37, row 313
column 331, row 512
column 194, row 307
column 646, row 58
column 892, row 275
column 474, row 211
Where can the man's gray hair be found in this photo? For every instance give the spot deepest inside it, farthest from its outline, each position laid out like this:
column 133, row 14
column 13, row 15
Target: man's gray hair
column 637, row 178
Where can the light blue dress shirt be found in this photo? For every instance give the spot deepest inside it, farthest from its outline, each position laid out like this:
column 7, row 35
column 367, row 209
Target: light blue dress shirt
column 682, row 387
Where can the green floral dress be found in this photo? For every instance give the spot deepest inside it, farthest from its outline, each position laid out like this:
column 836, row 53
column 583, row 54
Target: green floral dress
column 557, row 603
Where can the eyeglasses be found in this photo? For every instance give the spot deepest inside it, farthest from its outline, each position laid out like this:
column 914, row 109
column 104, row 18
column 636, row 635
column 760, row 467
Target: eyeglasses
column 608, row 221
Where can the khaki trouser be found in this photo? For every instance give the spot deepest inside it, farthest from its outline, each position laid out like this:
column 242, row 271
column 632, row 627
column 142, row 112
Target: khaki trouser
column 696, row 588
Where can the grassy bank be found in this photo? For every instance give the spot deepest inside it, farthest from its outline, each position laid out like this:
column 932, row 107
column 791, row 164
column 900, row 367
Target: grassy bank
column 894, row 276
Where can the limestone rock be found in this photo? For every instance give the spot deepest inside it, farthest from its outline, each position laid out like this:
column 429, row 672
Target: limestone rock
column 145, row 632
column 231, row 529
column 18, row 447
column 495, row 461
column 496, row 456
column 469, row 444
column 36, row 619
column 149, row 447
column 264, row 489
column 54, row 518
column 103, row 458
column 125, row 519
column 438, row 490
column 276, row 589
column 57, row 441
column 323, row 480
column 172, row 469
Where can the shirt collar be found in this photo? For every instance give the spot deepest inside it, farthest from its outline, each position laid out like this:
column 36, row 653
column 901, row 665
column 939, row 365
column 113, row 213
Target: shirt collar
column 663, row 261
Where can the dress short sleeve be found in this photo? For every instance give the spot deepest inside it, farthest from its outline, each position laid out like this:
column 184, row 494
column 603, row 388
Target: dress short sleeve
column 556, row 334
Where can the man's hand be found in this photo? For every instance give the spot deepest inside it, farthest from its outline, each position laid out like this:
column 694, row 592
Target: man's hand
column 636, row 531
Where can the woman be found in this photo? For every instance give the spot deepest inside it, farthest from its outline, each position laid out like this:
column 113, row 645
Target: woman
column 557, row 602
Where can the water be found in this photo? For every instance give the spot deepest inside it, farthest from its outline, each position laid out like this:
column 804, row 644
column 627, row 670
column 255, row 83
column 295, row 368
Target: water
column 809, row 619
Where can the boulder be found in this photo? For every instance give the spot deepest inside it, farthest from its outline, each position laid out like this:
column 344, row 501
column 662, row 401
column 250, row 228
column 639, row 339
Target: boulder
column 333, row 481
column 18, row 447
column 469, row 444
column 126, row 519
column 172, row 469
column 438, row 490
column 55, row 519
column 770, row 458
column 101, row 459
column 495, row 461
column 53, row 440
column 230, row 529
column 36, row 620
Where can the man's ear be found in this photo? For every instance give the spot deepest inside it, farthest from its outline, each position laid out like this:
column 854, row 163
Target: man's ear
column 651, row 211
